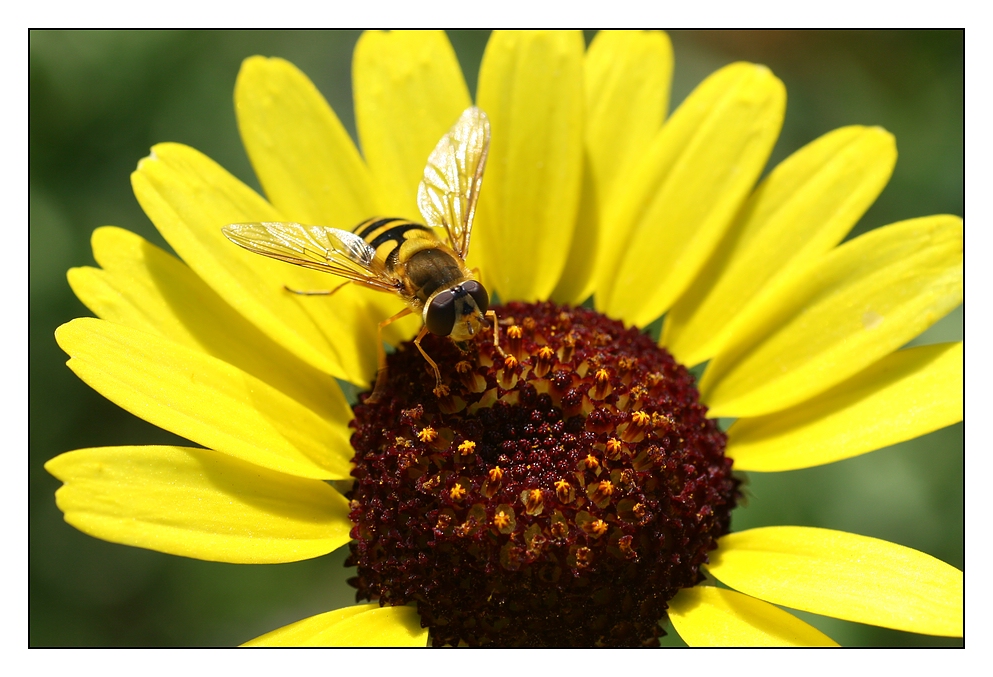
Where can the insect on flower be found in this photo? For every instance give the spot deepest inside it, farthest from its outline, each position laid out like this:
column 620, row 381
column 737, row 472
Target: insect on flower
column 400, row 256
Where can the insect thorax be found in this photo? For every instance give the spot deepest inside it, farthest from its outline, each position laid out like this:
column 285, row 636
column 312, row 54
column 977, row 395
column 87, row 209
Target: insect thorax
column 429, row 269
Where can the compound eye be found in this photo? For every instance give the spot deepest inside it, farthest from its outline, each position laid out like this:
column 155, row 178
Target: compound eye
column 440, row 317
column 478, row 294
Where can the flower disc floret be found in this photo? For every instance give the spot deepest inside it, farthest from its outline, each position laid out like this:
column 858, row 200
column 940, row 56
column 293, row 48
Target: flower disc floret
column 558, row 491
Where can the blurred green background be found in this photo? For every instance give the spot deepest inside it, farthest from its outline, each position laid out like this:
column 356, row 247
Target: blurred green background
column 99, row 100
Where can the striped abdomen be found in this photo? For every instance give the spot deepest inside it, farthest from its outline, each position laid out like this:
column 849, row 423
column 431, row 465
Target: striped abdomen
column 414, row 254
column 390, row 238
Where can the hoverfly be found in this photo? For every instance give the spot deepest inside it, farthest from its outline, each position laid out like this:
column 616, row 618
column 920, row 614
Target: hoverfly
column 399, row 256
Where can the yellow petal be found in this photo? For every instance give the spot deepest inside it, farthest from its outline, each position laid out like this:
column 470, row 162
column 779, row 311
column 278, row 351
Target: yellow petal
column 530, row 85
column 190, row 198
column 626, row 76
column 205, row 400
column 903, row 396
column 363, row 625
column 306, row 162
column 143, row 287
column 681, row 197
column 803, row 209
column 313, row 631
column 198, row 503
column 709, row 616
column 626, row 81
column 855, row 305
column 855, row 578
column 409, row 91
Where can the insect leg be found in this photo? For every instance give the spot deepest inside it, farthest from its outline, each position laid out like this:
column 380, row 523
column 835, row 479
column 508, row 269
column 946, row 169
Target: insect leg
column 434, row 365
column 377, row 392
column 492, row 317
column 316, row 292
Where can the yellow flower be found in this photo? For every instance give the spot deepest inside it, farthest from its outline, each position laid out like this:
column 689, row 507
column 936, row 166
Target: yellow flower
column 586, row 192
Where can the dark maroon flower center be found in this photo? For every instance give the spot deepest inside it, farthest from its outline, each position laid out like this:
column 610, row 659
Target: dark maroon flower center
column 557, row 491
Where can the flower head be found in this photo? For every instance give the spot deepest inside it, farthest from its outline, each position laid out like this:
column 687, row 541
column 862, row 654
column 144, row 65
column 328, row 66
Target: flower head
column 567, row 492
column 572, row 473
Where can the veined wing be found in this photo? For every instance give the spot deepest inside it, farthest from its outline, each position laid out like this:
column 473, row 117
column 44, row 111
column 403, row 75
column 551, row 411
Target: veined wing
column 452, row 178
column 328, row 250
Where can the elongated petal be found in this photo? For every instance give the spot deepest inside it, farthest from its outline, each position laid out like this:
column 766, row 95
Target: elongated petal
column 681, row 198
column 190, row 198
column 306, row 162
column 803, row 209
column 626, row 78
column 313, row 631
column 409, row 91
column 903, row 396
column 855, row 578
column 709, row 616
column 857, row 304
column 198, row 503
column 143, row 287
column 626, row 81
column 530, row 85
column 363, row 625
column 204, row 400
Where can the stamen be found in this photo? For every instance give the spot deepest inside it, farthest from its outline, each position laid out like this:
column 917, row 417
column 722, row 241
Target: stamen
column 590, row 463
column 534, row 502
column 565, row 491
column 501, row 520
column 515, row 342
column 600, row 492
column 543, row 362
column 614, row 448
column 601, row 387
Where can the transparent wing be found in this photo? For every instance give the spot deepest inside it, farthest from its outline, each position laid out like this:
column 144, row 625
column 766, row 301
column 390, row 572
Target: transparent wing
column 329, row 250
column 454, row 172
